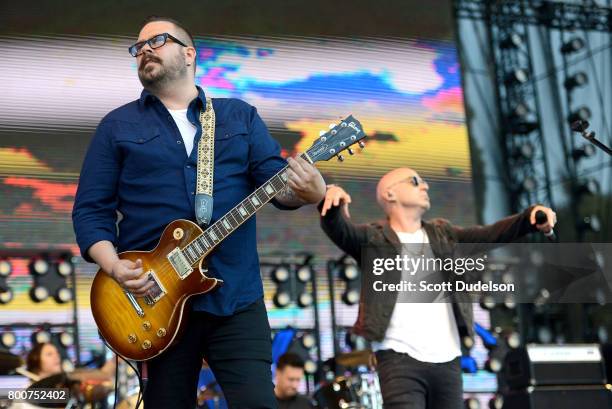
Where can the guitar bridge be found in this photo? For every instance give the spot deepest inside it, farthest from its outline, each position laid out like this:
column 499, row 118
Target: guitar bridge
column 180, row 263
column 156, row 292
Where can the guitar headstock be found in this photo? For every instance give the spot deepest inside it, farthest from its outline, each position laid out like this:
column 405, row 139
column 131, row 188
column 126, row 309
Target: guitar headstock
column 340, row 137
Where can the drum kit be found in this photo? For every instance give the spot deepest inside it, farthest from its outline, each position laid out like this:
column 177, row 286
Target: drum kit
column 358, row 388
column 85, row 385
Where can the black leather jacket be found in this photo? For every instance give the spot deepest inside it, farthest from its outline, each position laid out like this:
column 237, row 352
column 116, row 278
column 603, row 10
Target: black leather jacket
column 373, row 318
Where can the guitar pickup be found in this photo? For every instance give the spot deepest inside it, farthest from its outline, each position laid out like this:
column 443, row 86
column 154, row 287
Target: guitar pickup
column 180, row 263
column 156, row 292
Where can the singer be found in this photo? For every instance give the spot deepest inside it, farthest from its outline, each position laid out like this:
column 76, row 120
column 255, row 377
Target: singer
column 417, row 344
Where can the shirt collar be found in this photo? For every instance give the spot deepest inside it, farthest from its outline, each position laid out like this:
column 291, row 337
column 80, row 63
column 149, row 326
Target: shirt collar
column 146, row 96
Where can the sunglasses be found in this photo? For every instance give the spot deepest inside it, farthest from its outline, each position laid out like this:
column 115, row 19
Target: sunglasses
column 414, row 180
column 154, row 42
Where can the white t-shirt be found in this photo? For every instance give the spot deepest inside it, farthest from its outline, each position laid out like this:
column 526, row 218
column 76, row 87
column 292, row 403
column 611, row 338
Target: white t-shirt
column 186, row 128
column 425, row 331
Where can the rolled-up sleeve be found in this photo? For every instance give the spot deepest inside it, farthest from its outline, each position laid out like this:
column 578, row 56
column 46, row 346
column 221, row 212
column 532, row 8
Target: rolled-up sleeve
column 94, row 213
column 264, row 154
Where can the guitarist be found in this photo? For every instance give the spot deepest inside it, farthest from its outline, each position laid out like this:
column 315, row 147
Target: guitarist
column 417, row 344
column 139, row 174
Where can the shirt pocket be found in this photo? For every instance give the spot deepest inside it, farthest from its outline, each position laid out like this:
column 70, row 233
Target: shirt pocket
column 231, row 145
column 142, row 149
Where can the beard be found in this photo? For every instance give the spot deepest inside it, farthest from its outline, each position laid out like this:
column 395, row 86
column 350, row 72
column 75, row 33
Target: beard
column 161, row 73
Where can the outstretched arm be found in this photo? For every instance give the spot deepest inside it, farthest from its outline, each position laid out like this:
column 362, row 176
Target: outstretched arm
column 336, row 224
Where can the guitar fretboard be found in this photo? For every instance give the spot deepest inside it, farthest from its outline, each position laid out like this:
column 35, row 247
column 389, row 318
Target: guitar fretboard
column 224, row 226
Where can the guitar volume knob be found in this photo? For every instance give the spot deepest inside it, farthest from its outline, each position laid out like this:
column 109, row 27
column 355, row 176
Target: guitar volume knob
column 146, row 325
column 132, row 338
column 161, row 332
column 146, row 344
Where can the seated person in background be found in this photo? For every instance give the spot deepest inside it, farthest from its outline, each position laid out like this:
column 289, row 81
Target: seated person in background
column 44, row 360
column 289, row 375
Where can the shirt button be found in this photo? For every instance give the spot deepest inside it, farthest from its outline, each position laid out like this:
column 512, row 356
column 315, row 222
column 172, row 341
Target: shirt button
column 193, row 193
column 178, row 142
column 188, row 166
column 140, row 140
column 169, row 118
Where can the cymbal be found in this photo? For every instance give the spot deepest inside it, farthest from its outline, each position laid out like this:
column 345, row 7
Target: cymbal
column 354, row 358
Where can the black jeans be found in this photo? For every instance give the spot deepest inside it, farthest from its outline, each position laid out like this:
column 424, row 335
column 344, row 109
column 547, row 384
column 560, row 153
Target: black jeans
column 410, row 384
column 237, row 348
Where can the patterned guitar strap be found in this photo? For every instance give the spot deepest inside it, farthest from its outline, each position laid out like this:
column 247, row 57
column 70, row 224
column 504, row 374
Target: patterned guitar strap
column 206, row 165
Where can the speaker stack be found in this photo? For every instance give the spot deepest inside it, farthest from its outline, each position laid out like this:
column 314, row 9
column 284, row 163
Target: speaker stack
column 556, row 377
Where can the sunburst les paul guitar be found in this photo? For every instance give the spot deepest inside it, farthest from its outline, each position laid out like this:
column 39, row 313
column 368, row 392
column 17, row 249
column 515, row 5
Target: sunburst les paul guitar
column 141, row 328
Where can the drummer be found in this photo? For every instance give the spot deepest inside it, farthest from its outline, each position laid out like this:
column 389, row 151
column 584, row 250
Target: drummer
column 44, row 360
column 289, row 375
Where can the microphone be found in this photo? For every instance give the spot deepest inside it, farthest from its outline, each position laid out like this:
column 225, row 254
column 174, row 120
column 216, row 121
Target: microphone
column 581, row 126
column 541, row 218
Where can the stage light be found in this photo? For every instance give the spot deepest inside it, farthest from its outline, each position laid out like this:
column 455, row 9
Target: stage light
column 39, row 266
column 6, row 295
column 493, row 364
column 581, row 114
column 65, row 339
column 510, row 302
column 589, row 223
column 39, row 294
column 471, row 403
column 41, row 337
column 529, row 184
column 67, row 365
column 310, row 366
column 349, row 272
column 467, row 342
column 281, row 299
column 309, row 341
column 512, row 40
column 573, row 45
column 524, row 151
column 8, row 339
column 521, row 110
column 588, row 187
column 304, row 273
column 513, row 339
column 577, row 80
column 496, row 402
column 350, row 297
column 5, row 268
column 280, row 274
column 487, row 302
column 63, row 295
column 305, row 300
column 517, row 76
column 65, row 268
column 584, row 151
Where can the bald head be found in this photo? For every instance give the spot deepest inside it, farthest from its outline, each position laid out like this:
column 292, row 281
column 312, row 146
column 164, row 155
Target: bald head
column 396, row 189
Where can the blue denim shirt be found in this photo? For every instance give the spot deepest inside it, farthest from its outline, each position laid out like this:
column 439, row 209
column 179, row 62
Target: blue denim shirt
column 137, row 165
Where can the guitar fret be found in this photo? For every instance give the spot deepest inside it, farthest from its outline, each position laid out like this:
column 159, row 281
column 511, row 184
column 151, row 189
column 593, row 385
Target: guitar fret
column 246, row 204
column 207, row 245
column 187, row 256
column 196, row 244
column 269, row 189
column 217, row 226
column 226, row 224
column 233, row 213
column 255, row 200
column 261, row 192
column 191, row 253
column 212, row 236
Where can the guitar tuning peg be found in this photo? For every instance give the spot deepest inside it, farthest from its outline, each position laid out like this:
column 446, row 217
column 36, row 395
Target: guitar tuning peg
column 340, row 158
column 361, row 144
column 331, row 126
column 321, row 133
column 350, row 151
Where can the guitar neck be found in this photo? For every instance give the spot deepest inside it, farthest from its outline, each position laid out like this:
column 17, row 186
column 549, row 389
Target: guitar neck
column 224, row 226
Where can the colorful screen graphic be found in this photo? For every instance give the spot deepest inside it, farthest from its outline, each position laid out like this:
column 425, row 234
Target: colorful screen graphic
column 55, row 90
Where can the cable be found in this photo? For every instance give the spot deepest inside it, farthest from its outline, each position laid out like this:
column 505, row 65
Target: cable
column 116, row 380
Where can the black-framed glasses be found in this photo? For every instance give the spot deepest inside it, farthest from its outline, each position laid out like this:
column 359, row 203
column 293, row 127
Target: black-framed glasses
column 413, row 180
column 156, row 41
